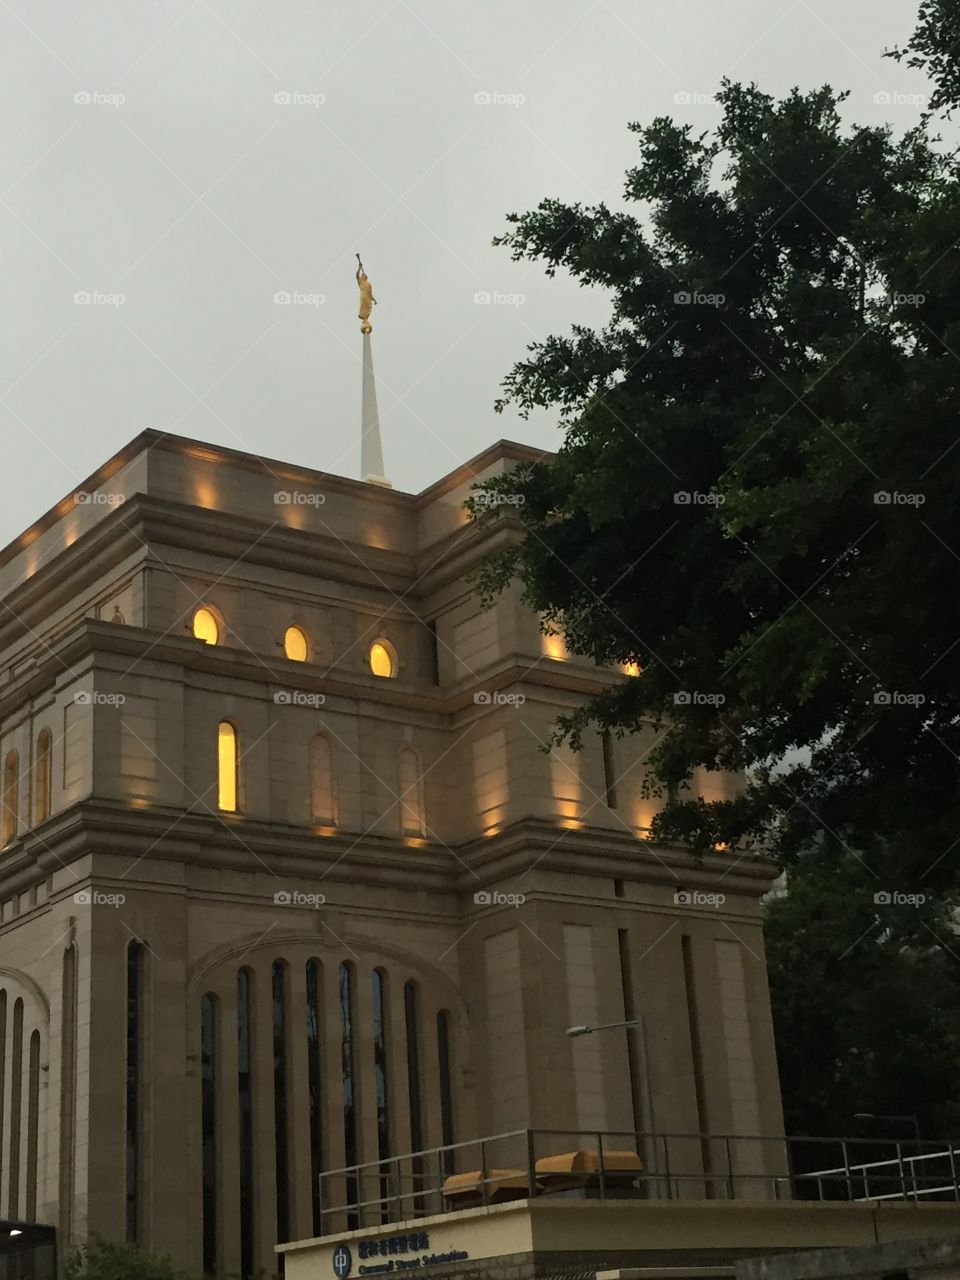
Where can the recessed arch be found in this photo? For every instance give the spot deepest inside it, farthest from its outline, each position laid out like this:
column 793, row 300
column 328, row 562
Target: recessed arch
column 43, row 777
column 11, row 798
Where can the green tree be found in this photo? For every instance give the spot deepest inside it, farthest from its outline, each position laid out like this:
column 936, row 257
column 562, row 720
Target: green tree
column 103, row 1260
column 755, row 496
column 935, row 49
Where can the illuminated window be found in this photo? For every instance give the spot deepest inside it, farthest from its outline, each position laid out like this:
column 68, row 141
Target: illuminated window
column 206, row 627
column 322, row 784
column 227, row 767
column 383, row 659
column 11, row 798
column 631, row 668
column 295, row 644
column 44, row 777
column 411, row 794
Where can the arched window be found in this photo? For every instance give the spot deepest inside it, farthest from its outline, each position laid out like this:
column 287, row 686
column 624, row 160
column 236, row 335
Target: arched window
column 43, row 777
column 11, row 798
column 380, row 1061
column 245, row 1100
column 281, row 1077
column 414, row 1091
column 16, row 1105
column 348, row 1072
column 33, row 1125
column 295, row 644
column 134, row 1086
column 411, row 793
column 208, row 1129
column 228, row 768
column 206, row 626
column 446, row 1085
column 383, row 659
column 323, row 791
column 314, row 977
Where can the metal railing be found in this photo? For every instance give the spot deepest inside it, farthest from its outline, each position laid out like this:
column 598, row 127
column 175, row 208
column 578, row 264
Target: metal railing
column 673, row 1166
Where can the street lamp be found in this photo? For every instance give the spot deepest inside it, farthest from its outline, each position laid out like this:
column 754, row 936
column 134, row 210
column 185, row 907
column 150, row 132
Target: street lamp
column 606, row 1026
column 908, row 1119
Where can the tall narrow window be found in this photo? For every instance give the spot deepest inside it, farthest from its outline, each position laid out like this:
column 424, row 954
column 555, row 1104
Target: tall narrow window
column 68, row 1087
column 446, row 1088
column 11, row 798
column 43, row 777
column 16, row 1105
column 208, row 1129
column 33, row 1125
column 380, row 1078
column 3, row 1064
column 609, row 769
column 411, row 1021
column 245, row 1099
column 280, row 1088
column 134, row 1040
column 411, row 794
column 228, row 769
column 323, row 796
column 349, row 1089
column 314, row 1087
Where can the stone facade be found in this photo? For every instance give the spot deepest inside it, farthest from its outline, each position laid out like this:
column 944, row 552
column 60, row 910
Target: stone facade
column 444, row 811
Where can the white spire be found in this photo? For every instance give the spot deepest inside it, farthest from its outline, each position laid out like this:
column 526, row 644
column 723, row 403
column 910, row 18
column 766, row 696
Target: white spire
column 371, row 450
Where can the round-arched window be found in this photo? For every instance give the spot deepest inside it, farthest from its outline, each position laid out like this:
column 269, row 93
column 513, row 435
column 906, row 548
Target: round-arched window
column 206, row 626
column 383, row 659
column 295, row 644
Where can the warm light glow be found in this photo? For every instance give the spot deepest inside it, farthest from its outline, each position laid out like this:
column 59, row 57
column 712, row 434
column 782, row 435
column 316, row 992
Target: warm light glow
column 554, row 647
column 227, row 767
column 295, row 645
column 631, row 668
column 383, row 661
column 206, row 627
column 205, row 494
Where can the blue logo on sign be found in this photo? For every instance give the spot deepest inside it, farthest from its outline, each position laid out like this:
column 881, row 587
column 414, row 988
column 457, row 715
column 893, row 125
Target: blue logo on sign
column 342, row 1262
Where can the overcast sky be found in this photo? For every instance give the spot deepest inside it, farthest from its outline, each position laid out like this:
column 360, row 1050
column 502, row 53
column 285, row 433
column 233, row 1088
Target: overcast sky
column 182, row 195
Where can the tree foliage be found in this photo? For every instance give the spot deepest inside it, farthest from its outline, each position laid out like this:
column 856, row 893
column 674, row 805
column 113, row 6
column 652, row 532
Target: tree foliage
column 935, row 49
column 755, row 496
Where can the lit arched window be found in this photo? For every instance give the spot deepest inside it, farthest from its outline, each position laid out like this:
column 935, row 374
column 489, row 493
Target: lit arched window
column 323, row 794
column 228, row 767
column 383, row 659
column 411, row 794
column 44, row 777
column 11, row 798
column 206, row 626
column 295, row 644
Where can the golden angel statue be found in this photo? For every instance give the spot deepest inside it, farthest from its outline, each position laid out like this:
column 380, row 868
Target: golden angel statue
column 367, row 300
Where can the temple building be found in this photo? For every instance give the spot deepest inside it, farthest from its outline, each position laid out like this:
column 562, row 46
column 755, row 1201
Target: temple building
column 290, row 881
